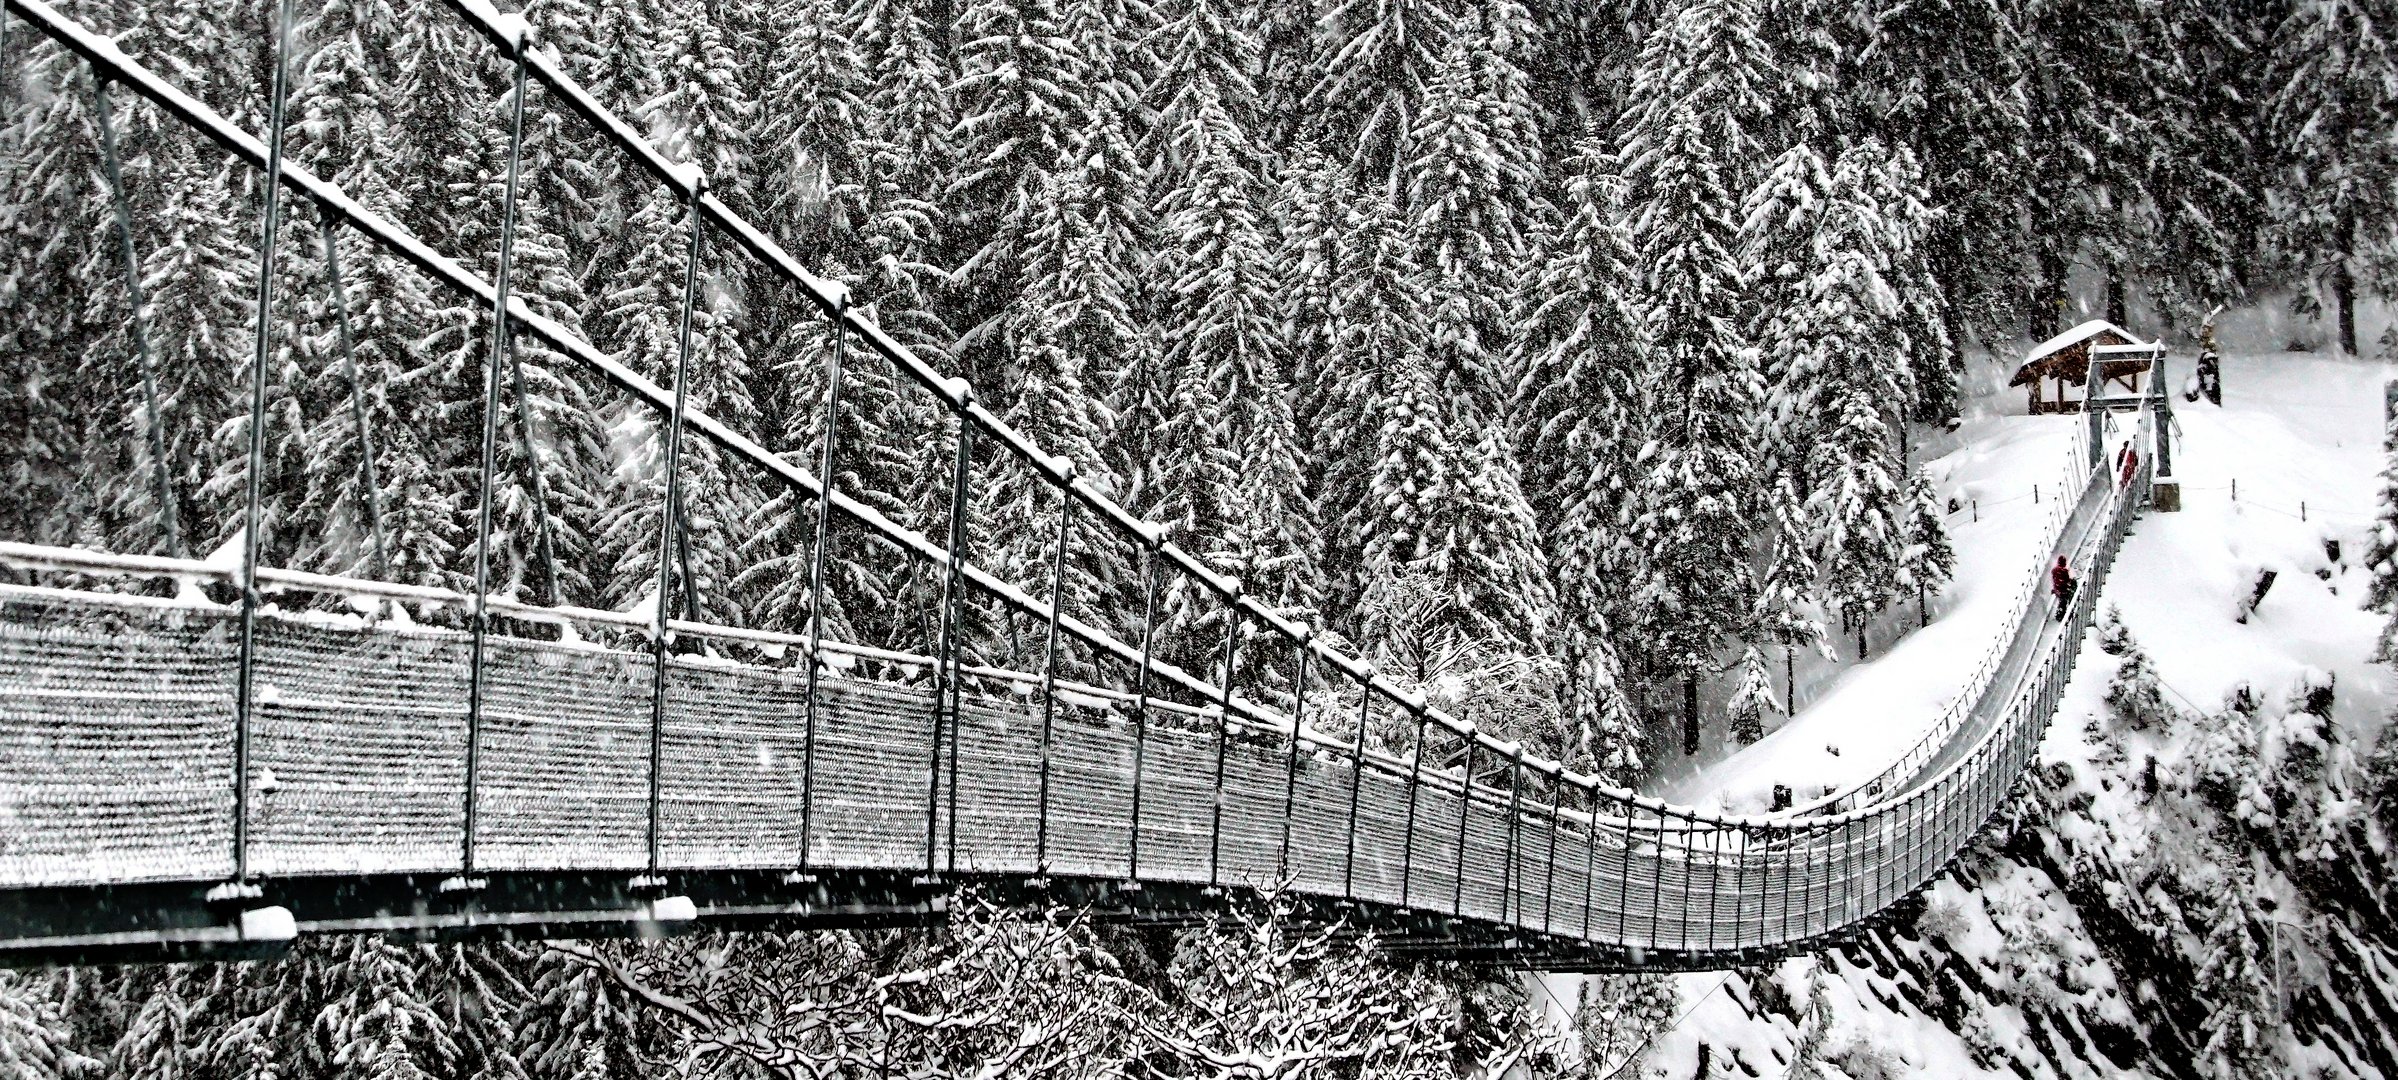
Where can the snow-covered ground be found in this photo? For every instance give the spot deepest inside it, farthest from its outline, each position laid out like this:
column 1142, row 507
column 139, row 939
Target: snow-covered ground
column 2296, row 430
column 2005, row 471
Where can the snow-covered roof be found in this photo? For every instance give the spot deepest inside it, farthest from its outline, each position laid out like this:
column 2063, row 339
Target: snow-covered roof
column 2076, row 336
column 2031, row 368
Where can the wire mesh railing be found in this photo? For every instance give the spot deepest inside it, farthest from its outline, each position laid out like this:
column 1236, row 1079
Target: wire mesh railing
column 1256, row 791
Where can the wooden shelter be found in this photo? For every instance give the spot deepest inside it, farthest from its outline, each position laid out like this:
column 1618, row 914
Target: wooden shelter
column 2064, row 361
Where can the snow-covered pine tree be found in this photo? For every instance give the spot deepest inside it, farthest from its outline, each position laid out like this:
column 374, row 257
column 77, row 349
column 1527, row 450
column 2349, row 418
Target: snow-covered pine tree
column 1752, row 698
column 1859, row 511
column 199, row 274
column 1417, row 491
column 1786, row 591
column 1376, row 57
column 1973, row 138
column 1207, row 53
column 911, row 115
column 476, row 991
column 34, row 1042
column 2243, row 1035
column 646, row 298
column 1022, row 95
column 580, row 1023
column 1225, row 471
column 162, row 1040
column 2328, row 119
column 1046, row 394
column 703, row 111
column 1797, row 332
column 379, row 1022
column 2134, row 695
column 1696, row 93
column 1929, row 560
column 1309, row 209
column 344, row 135
column 812, row 131
column 1578, row 344
column 2089, row 193
column 1890, row 184
column 1468, row 188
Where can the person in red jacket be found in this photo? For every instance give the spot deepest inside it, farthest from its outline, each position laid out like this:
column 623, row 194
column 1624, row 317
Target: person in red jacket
column 2061, row 585
column 2131, row 464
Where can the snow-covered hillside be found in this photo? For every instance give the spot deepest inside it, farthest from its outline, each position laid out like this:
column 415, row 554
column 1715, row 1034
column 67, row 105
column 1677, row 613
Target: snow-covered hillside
column 2194, row 883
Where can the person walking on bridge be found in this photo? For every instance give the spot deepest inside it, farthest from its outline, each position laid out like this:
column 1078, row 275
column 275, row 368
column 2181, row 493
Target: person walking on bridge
column 2061, row 585
column 2131, row 464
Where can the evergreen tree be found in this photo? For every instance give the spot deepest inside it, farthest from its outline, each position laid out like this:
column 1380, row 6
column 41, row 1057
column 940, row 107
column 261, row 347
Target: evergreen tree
column 1974, row 139
column 1929, row 561
column 378, row 1021
column 34, row 1043
column 579, row 1023
column 1464, row 190
column 2329, row 119
column 1421, row 495
column 646, row 299
column 344, row 135
column 1375, row 58
column 1696, row 94
column 1226, row 465
column 1580, row 339
column 1751, row 699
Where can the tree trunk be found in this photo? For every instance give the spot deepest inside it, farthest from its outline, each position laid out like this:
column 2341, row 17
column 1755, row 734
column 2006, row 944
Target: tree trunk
column 1690, row 714
column 1789, row 680
column 2343, row 293
column 2118, row 298
column 2049, row 302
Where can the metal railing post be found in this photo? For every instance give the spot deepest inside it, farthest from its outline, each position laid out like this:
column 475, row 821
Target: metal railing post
column 479, row 658
column 1215, row 827
column 1511, row 885
column 1415, row 790
column 1290, row 769
column 1548, row 888
column 139, row 324
column 254, row 482
column 949, row 690
column 824, row 515
column 1057, row 604
column 1465, row 820
column 1590, row 857
column 1357, row 773
column 662, row 640
column 1140, row 709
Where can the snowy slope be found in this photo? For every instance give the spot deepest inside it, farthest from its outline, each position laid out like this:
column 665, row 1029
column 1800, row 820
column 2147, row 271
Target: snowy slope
column 2115, row 929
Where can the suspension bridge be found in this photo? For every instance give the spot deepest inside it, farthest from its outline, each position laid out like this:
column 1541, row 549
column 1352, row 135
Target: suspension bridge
column 185, row 776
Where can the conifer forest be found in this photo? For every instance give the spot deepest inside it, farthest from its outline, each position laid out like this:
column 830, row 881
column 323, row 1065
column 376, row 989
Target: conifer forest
column 1594, row 369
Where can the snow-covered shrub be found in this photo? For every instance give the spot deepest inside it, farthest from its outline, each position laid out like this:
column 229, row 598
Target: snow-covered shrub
column 1617, row 1016
column 1863, row 1060
column 1940, row 920
column 1752, row 699
column 2134, row 695
column 2114, row 638
column 2312, row 692
column 2381, row 776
